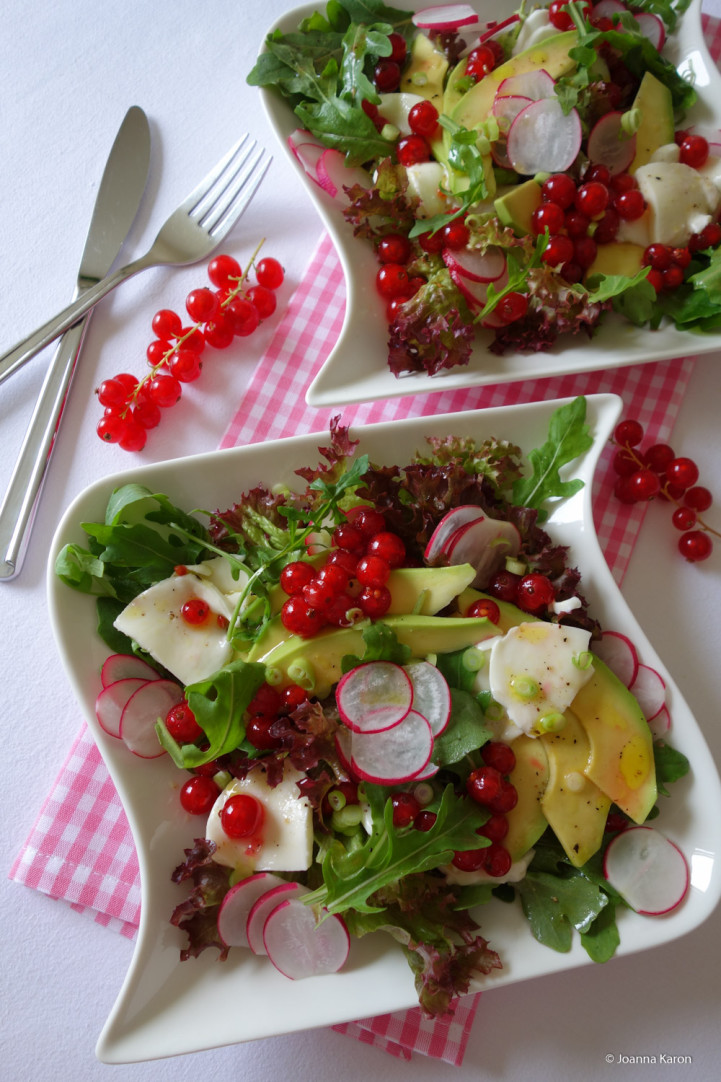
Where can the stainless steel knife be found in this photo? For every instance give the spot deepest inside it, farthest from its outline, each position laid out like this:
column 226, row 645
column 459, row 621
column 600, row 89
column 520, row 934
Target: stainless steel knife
column 119, row 196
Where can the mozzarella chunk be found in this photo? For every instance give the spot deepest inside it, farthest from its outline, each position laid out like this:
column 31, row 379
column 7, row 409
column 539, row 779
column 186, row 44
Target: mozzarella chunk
column 285, row 842
column 219, row 572
column 190, row 652
column 681, row 200
column 426, row 181
column 534, row 671
column 537, row 26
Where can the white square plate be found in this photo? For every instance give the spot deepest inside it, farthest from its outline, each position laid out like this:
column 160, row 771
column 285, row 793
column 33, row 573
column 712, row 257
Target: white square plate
column 167, row 1007
column 356, row 369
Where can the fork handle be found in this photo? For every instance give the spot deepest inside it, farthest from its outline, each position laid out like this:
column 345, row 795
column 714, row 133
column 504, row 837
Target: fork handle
column 21, row 499
column 43, row 336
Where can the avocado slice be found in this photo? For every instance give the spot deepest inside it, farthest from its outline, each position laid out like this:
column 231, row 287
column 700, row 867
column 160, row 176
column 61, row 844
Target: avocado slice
column 656, row 128
column 321, row 657
column 617, row 257
column 527, row 822
column 426, row 71
column 516, row 206
column 620, row 760
column 575, row 808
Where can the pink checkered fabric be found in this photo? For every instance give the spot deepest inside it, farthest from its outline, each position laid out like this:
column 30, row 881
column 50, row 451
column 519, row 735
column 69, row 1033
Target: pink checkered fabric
column 80, row 848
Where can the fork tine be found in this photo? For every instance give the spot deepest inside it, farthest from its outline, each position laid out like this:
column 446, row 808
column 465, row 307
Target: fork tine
column 198, row 194
column 236, row 196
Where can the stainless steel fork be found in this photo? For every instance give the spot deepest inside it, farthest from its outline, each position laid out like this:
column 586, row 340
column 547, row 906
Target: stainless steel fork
column 190, row 234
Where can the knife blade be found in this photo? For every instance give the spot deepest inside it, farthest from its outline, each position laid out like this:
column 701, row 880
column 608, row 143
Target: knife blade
column 118, row 200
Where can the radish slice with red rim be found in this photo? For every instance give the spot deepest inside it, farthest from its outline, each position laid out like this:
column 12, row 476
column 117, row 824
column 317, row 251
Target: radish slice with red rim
column 484, row 544
column 475, row 265
column 334, row 175
column 112, row 700
column 619, row 654
column 374, row 697
column 306, row 152
column 445, row 17
column 649, row 689
column 466, row 512
column 144, row 708
column 509, row 107
column 475, row 293
column 124, row 666
column 237, row 904
column 609, row 145
column 535, row 84
column 647, row 869
column 395, row 755
column 342, row 738
column 299, row 945
column 652, row 28
column 660, row 723
column 263, row 907
column 544, row 139
column 606, row 9
column 431, row 694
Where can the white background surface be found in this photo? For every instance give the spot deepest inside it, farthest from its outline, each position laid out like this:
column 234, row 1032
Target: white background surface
column 68, row 73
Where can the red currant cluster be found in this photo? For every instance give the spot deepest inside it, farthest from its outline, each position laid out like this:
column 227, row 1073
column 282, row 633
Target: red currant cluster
column 659, row 472
column 351, row 584
column 489, row 786
column 232, row 309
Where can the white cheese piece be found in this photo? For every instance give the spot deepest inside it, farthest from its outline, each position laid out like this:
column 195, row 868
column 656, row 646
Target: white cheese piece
column 426, row 181
column 394, row 108
column 285, row 839
column 711, row 170
column 515, row 873
column 537, row 26
column 219, row 571
column 636, row 232
column 534, row 671
column 190, row 652
column 669, row 152
column 681, row 200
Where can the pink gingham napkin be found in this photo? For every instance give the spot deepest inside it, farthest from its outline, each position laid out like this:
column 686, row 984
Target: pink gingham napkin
column 80, row 848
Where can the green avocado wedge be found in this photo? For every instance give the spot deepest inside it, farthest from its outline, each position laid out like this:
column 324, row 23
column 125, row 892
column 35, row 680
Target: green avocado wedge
column 526, row 821
column 620, row 757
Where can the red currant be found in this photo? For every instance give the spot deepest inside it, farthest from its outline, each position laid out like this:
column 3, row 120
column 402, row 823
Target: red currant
column 164, row 391
column 295, row 576
column 398, row 47
column 348, row 537
column 373, row 571
column 694, row 151
column 242, row 816
column 504, row 586
column 185, row 365
column 592, row 199
column 495, row 828
column 643, row 485
column 480, row 62
column 181, row 724
column 134, row 436
column 512, row 307
column 698, row 498
column 375, row 601
column 684, row 518
column 242, row 316
column 389, row 547
column 263, row 299
column 387, row 76
column 498, row 861
column 695, row 546
column 166, row 324
column 110, row 427
column 547, row 216
column 111, row 392
column 630, row 205
column 394, row 248
column 559, row 188
column 405, row 809
column 259, row 733
column 484, row 609
column 300, row 618
column 392, row 281
column 224, row 272
column 535, row 593
column 423, row 118
column 470, row 860
column 455, row 234
column 499, row 755
column 198, row 795
column 484, row 784
column 658, row 457
column 683, row 472
column 628, row 433
column 202, row 305
column 559, row 250
column 195, row 611
column 269, row 273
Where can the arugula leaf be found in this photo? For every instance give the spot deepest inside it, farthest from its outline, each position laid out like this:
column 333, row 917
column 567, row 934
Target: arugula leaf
column 350, row 878
column 602, row 939
column 555, row 905
column 568, row 437
column 466, row 157
column 219, row 704
column 671, row 765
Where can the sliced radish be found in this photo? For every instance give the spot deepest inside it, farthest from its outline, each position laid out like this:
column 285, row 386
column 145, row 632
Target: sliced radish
column 609, row 145
column 307, row 152
column 112, row 700
column 618, row 652
column 649, row 689
column 466, row 512
column 652, row 28
column 374, row 697
column 534, row 84
column 475, row 293
column 145, row 706
column 660, row 723
column 263, row 907
column 395, row 755
column 648, row 871
column 475, row 265
column 509, row 107
column 299, row 945
column 123, row 666
column 543, row 138
column 484, row 544
column 606, row 9
column 445, row 17
column 237, row 904
column 431, row 694
column 334, row 175
column 495, row 28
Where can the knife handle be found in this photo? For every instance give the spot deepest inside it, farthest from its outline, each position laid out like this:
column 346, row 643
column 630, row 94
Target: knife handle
column 21, row 499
